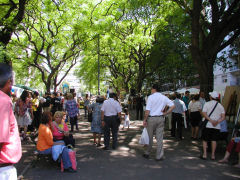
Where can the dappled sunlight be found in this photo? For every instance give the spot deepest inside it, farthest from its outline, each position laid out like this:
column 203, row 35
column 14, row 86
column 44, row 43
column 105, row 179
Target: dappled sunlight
column 232, row 175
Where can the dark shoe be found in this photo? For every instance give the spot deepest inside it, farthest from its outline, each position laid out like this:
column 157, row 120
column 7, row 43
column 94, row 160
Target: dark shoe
column 146, row 156
column 70, row 170
column 106, row 148
column 98, row 145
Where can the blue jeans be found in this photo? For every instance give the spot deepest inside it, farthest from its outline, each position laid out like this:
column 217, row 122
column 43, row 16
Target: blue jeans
column 65, row 157
column 47, row 151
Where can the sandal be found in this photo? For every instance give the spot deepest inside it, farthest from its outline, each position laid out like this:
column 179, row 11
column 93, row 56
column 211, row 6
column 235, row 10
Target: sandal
column 203, row 158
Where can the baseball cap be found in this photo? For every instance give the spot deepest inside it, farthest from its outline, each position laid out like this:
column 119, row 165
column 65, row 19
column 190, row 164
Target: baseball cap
column 214, row 94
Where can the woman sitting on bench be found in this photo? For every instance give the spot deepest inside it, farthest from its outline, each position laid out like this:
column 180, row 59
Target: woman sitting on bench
column 230, row 146
column 45, row 141
column 60, row 130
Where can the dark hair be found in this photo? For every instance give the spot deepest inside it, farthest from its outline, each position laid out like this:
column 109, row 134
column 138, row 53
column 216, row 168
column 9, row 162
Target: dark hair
column 155, row 86
column 5, row 74
column 36, row 93
column 112, row 95
column 46, row 117
column 24, row 95
column 178, row 95
column 126, row 110
column 187, row 92
column 55, row 94
column 196, row 97
column 99, row 99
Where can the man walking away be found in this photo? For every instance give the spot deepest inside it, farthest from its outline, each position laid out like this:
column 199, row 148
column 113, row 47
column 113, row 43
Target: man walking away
column 110, row 112
column 177, row 116
column 10, row 143
column 154, row 119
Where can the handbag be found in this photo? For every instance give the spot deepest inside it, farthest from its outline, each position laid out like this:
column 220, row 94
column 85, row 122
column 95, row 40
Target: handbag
column 203, row 123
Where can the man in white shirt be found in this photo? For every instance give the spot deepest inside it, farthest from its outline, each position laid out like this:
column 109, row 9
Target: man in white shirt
column 110, row 112
column 154, row 120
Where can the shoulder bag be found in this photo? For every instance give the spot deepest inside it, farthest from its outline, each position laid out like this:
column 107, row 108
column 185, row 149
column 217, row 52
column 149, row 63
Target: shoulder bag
column 203, row 124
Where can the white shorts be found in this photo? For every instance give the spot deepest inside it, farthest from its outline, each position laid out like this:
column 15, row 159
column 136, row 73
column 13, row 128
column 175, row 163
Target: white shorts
column 8, row 173
column 126, row 123
column 24, row 120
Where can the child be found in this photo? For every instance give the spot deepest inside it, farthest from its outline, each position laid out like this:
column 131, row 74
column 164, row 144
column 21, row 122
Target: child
column 126, row 119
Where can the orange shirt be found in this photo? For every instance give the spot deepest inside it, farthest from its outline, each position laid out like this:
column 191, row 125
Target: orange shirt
column 45, row 138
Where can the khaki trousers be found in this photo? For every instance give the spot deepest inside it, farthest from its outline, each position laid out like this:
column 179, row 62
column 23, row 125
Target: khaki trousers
column 156, row 124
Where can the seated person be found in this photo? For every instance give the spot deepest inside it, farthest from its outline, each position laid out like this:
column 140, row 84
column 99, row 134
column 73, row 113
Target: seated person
column 45, row 142
column 230, row 146
column 60, row 129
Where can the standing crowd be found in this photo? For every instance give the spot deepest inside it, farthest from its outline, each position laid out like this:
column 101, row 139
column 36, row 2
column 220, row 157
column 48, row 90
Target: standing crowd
column 49, row 118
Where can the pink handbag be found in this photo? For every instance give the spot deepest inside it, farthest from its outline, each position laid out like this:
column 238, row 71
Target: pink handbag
column 72, row 156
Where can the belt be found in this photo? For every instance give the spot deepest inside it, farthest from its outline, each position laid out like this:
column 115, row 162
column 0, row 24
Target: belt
column 156, row 116
column 5, row 164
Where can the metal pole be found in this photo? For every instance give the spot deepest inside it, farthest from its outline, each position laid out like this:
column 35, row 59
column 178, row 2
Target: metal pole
column 98, row 66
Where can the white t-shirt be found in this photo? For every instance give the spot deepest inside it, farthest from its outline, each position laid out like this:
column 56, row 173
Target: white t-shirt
column 216, row 115
column 194, row 106
column 111, row 107
column 156, row 104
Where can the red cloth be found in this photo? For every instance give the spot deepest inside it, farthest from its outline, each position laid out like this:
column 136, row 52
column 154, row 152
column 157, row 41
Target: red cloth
column 231, row 145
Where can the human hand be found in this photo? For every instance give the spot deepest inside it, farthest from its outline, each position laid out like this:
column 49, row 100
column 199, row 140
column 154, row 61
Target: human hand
column 66, row 133
column 144, row 123
column 103, row 123
column 214, row 123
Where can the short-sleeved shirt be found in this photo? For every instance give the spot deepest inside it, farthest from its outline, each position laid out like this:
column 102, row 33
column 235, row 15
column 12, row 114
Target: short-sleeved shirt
column 23, row 106
column 59, row 135
column 11, row 150
column 111, row 107
column 72, row 108
column 56, row 104
column 194, row 106
column 35, row 104
column 48, row 101
column 216, row 115
column 186, row 100
column 156, row 104
column 179, row 106
column 45, row 138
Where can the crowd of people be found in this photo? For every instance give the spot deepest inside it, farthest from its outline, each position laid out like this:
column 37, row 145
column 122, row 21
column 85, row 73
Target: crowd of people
column 50, row 115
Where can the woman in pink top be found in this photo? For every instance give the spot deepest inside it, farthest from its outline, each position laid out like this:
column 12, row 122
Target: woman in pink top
column 23, row 109
column 59, row 127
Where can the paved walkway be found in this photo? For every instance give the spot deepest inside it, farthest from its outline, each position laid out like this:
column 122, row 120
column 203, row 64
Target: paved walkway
column 181, row 161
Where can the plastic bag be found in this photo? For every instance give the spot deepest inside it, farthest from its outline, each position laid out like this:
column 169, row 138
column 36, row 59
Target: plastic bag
column 144, row 140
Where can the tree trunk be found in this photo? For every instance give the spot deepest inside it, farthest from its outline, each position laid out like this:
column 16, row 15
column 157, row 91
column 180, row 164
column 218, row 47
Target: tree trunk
column 204, row 66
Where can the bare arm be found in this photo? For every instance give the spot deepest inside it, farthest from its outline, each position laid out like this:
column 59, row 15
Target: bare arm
column 169, row 110
column 145, row 118
column 102, row 118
